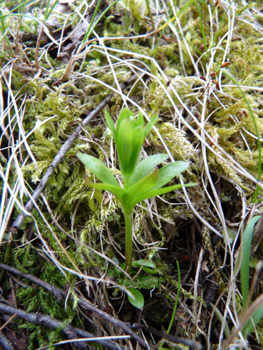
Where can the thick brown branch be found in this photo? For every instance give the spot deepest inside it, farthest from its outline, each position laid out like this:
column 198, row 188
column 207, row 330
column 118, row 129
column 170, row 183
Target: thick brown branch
column 59, row 293
column 70, row 331
column 59, row 157
column 83, row 302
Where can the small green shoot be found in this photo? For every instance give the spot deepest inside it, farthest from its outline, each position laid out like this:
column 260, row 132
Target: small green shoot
column 49, row 10
column 93, row 23
column 141, row 181
column 244, row 276
column 175, row 304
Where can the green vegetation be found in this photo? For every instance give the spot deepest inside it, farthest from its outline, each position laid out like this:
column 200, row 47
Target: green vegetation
column 193, row 69
column 244, row 276
column 141, row 181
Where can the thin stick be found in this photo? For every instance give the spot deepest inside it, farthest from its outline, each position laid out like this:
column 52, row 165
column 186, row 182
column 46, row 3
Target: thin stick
column 6, row 323
column 59, row 158
column 70, row 331
column 37, row 47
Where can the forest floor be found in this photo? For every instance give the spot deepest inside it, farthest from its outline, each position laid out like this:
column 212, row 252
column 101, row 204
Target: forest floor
column 197, row 65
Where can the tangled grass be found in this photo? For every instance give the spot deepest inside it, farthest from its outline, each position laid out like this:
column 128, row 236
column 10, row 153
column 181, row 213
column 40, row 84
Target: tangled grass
column 198, row 65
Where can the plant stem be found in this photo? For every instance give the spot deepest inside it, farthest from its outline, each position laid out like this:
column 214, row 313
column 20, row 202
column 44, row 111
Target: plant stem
column 128, row 240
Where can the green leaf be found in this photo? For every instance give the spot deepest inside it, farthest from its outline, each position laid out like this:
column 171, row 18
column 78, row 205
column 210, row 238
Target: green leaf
column 146, row 166
column 137, row 122
column 142, row 262
column 116, row 190
column 244, row 269
column 147, row 183
column 137, row 143
column 125, row 114
column 135, row 298
column 147, row 266
column 124, row 146
column 97, row 168
column 160, row 191
column 110, row 123
column 169, row 171
column 149, row 126
column 129, row 142
column 256, row 316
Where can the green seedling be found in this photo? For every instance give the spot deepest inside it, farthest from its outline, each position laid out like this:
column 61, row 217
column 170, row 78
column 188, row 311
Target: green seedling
column 93, row 22
column 244, row 277
column 175, row 304
column 140, row 181
column 135, row 297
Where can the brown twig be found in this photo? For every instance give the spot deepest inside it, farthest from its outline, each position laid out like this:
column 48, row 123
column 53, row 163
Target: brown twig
column 70, row 331
column 59, row 158
column 81, row 301
column 37, row 47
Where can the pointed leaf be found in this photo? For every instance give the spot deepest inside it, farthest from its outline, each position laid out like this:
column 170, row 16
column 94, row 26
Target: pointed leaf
column 129, row 145
column 140, row 121
column 159, row 192
column 169, row 171
column 144, row 185
column 149, row 126
column 97, row 168
column 125, row 114
column 135, row 298
column 124, row 146
column 244, row 269
column 256, row 317
column 110, row 123
column 146, row 269
column 137, row 143
column 116, row 190
column 146, row 166
column 146, row 263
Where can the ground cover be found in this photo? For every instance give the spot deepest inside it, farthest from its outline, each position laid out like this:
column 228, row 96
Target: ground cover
column 198, row 66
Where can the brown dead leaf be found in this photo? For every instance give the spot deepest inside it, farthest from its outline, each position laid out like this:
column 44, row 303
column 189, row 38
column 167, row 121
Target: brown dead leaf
column 18, row 342
column 204, row 266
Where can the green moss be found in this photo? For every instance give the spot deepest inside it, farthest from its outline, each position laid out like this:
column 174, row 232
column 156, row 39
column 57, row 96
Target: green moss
column 92, row 218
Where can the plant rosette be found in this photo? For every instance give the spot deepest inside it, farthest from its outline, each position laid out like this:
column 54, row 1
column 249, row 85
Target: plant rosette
column 140, row 181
